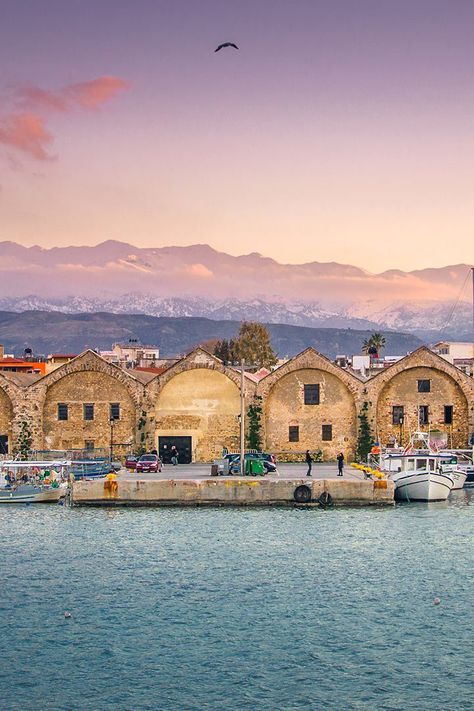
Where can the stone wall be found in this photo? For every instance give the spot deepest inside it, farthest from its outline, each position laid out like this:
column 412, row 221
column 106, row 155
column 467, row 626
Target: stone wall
column 6, row 416
column 99, row 389
column 203, row 404
column 398, row 386
column 284, row 404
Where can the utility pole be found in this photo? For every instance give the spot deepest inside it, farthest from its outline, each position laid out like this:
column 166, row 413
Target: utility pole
column 242, row 418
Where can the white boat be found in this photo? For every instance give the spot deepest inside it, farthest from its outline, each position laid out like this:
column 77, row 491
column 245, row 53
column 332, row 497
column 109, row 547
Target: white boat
column 27, row 482
column 419, row 477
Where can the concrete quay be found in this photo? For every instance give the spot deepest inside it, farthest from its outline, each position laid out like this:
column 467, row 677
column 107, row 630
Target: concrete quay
column 231, row 491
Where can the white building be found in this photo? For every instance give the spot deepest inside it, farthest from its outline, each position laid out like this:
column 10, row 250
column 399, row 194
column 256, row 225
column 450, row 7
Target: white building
column 133, row 355
column 459, row 353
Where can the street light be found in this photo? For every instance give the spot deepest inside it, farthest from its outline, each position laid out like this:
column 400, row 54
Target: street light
column 242, row 418
column 112, row 421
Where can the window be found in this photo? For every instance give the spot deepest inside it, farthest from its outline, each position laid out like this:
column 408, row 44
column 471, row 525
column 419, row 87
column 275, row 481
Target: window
column 398, row 415
column 115, row 411
column 326, row 432
column 294, row 433
column 424, row 386
column 448, row 414
column 89, row 444
column 89, row 411
column 63, row 411
column 423, row 415
column 311, row 394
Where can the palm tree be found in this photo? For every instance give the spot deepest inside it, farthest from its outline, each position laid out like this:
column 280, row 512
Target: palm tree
column 374, row 344
column 378, row 341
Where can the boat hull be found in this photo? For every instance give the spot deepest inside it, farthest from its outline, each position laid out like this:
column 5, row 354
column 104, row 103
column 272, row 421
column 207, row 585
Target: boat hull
column 30, row 495
column 459, row 477
column 423, row 486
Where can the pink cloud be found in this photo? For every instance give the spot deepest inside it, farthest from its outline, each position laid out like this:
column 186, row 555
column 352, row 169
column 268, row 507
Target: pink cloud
column 27, row 133
column 91, row 94
column 86, row 95
column 24, row 128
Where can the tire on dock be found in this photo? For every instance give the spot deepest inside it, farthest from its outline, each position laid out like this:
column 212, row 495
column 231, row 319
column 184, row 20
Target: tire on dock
column 302, row 494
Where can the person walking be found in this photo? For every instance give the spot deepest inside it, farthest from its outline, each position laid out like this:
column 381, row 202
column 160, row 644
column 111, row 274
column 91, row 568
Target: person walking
column 309, row 462
column 174, row 455
column 340, row 464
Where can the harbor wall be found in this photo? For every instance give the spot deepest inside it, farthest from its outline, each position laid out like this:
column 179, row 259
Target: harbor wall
column 228, row 491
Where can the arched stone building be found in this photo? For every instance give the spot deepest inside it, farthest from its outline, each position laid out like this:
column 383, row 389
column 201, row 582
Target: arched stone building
column 422, row 392
column 87, row 403
column 310, row 403
column 196, row 407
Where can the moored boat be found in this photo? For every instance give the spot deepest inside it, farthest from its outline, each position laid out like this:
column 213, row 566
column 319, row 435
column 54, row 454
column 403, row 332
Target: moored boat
column 27, row 493
column 420, row 479
column 29, row 482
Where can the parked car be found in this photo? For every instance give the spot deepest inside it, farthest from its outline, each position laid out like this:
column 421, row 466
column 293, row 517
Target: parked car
column 131, row 461
column 149, row 463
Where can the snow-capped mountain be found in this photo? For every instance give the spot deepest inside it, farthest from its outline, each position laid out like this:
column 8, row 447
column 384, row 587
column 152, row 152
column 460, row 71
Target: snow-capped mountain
column 200, row 281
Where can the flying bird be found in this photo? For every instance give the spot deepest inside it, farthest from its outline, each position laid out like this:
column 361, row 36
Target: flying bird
column 226, row 44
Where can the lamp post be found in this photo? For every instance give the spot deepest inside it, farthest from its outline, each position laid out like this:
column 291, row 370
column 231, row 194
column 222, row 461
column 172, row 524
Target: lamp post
column 112, row 421
column 400, row 422
column 242, row 418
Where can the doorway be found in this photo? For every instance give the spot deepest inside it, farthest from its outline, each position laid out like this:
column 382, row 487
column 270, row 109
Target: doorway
column 3, row 444
column 182, row 444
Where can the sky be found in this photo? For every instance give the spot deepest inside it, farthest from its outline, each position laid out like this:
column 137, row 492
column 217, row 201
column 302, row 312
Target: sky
column 339, row 131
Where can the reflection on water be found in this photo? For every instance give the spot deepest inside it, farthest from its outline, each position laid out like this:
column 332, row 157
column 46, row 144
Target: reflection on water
column 229, row 609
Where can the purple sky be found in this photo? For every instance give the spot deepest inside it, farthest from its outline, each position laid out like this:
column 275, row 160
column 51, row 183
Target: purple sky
column 340, row 130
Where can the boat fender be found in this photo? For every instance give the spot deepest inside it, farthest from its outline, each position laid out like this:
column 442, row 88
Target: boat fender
column 325, row 499
column 302, row 494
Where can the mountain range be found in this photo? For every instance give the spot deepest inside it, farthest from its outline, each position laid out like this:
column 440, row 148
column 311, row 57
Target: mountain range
column 52, row 332
column 199, row 281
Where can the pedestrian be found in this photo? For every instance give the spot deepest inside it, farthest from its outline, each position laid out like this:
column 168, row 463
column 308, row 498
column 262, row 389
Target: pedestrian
column 340, row 464
column 309, row 462
column 174, row 455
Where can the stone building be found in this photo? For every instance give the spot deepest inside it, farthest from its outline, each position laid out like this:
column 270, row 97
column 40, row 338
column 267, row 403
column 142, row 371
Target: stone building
column 421, row 391
column 196, row 406
column 308, row 403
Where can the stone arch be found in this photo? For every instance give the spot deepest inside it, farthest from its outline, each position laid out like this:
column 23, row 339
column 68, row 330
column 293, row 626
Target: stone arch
column 197, row 359
column 89, row 379
column 334, row 417
column 202, row 403
column 92, row 362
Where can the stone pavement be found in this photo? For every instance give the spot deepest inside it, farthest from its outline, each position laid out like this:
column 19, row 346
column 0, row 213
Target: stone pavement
column 285, row 471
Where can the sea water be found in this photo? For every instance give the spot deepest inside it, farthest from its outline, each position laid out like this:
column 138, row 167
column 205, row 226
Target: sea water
column 237, row 608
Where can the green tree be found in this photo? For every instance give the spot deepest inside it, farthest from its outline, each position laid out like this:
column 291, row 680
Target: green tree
column 364, row 436
column 254, row 419
column 253, row 345
column 25, row 440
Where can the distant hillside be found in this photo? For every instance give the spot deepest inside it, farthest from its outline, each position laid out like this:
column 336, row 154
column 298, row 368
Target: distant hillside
column 47, row 332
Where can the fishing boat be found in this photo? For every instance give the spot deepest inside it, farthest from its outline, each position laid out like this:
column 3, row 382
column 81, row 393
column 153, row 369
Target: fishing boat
column 32, row 482
column 421, row 477
column 83, row 463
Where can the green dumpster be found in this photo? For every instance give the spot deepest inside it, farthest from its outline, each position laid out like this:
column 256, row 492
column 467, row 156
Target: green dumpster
column 254, row 467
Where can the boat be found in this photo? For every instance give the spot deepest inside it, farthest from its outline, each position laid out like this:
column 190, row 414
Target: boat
column 421, row 477
column 32, row 482
column 83, row 463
